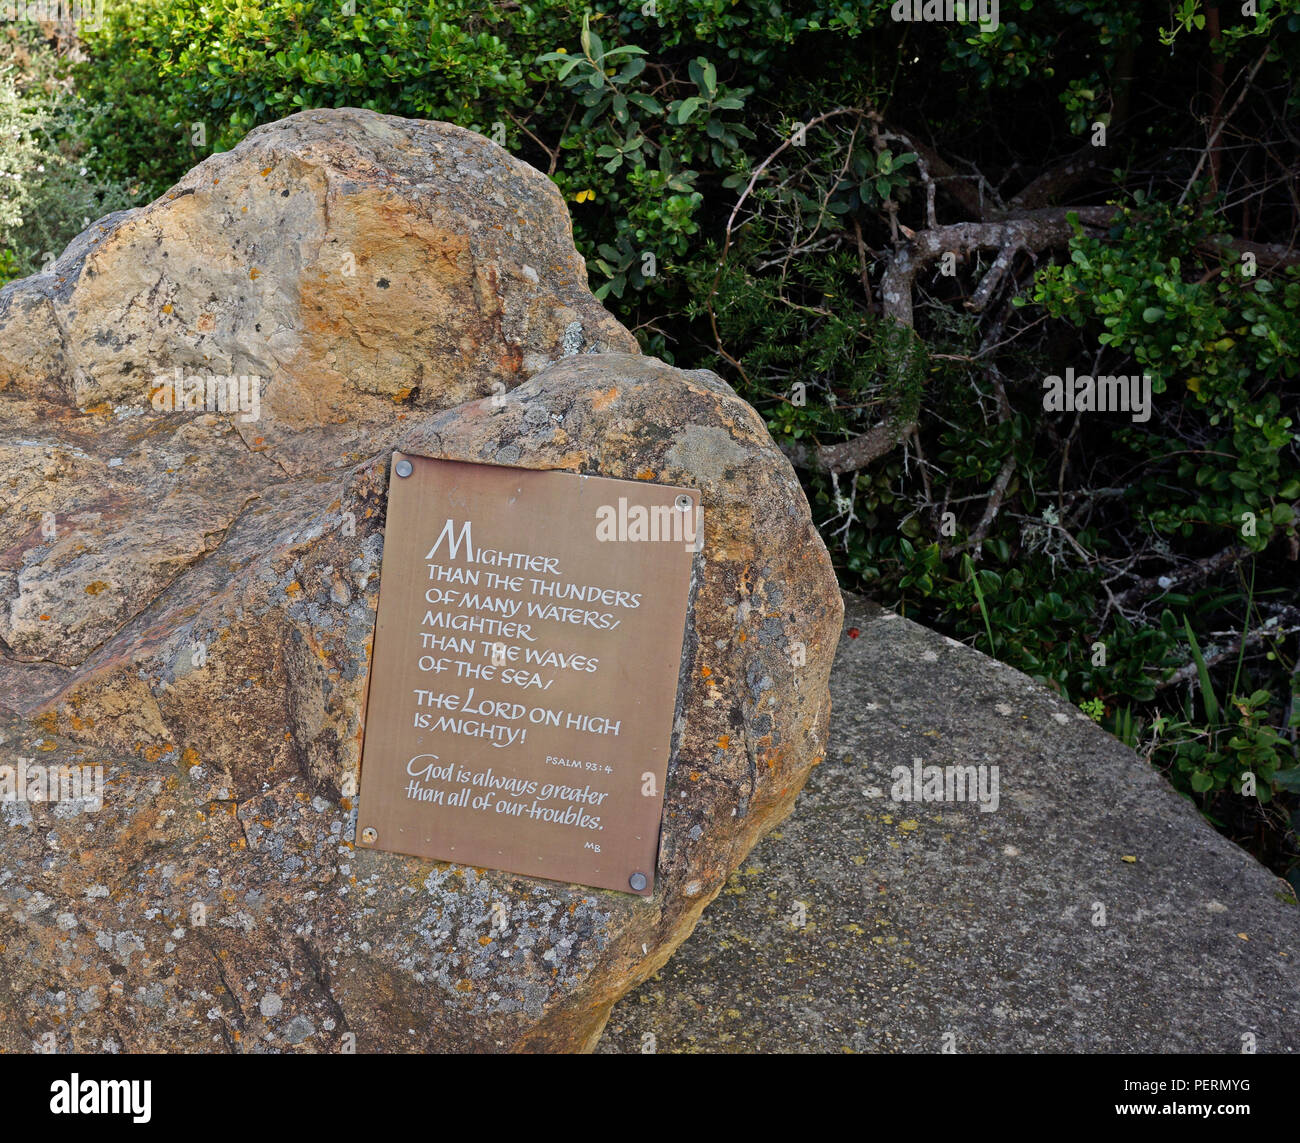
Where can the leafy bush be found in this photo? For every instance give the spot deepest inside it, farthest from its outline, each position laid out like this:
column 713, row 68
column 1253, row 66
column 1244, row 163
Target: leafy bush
column 54, row 185
column 19, row 152
column 1228, row 338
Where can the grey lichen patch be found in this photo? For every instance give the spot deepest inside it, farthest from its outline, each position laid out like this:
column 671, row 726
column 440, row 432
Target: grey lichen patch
column 706, row 450
column 298, row 1029
column 571, row 342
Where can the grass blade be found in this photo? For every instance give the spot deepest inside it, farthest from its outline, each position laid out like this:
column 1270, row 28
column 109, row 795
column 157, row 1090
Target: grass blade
column 979, row 598
column 1203, row 674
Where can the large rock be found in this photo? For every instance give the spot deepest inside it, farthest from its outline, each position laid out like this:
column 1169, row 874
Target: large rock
column 195, row 613
column 465, row 283
column 363, row 266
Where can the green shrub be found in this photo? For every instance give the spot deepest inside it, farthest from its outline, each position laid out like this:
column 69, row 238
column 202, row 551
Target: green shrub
column 55, row 185
column 20, row 123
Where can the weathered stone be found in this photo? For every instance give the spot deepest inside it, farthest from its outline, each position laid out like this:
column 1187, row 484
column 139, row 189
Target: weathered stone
column 466, row 283
column 199, row 620
column 363, row 266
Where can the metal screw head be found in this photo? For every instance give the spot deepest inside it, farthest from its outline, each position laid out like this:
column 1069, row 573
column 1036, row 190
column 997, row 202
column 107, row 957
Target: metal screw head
column 638, row 881
column 403, row 468
column 684, row 503
column 369, row 836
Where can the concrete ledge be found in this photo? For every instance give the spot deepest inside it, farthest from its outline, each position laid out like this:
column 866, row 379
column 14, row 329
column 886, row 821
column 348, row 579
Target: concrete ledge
column 929, row 918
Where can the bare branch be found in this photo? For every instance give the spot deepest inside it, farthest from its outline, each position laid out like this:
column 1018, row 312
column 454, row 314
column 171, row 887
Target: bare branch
column 1055, row 181
column 1034, row 230
column 1194, row 573
column 1223, row 122
column 1270, row 254
column 1272, row 629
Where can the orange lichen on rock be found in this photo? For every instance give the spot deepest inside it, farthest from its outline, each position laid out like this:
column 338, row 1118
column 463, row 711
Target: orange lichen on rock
column 600, row 398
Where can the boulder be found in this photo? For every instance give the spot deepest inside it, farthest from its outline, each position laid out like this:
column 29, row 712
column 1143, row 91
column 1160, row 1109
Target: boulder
column 360, row 265
column 190, row 606
column 350, row 269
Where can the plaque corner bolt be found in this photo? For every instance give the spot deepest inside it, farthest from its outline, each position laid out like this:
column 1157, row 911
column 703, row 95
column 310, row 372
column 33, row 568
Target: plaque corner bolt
column 638, row 881
column 403, row 468
column 369, row 835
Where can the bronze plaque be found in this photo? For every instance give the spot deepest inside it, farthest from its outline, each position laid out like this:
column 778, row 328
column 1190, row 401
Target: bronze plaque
column 525, row 667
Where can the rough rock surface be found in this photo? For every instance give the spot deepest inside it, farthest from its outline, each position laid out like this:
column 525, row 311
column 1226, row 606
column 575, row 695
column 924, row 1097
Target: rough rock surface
column 191, row 605
column 359, row 268
column 364, row 266
column 926, row 920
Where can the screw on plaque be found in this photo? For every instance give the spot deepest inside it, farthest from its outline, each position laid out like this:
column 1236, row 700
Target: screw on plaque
column 403, row 468
column 369, row 836
column 638, row 881
column 684, row 503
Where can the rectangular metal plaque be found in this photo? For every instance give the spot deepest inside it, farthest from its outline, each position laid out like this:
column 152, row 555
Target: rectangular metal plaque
column 525, row 668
